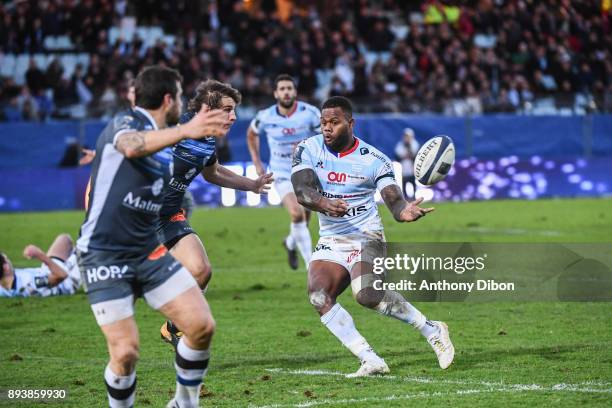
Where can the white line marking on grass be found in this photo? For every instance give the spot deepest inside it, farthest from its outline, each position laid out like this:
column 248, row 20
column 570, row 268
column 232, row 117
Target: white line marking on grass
column 514, row 231
column 424, row 380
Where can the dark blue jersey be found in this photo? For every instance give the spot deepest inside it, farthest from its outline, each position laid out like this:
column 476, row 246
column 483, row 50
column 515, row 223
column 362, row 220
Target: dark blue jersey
column 189, row 157
column 126, row 194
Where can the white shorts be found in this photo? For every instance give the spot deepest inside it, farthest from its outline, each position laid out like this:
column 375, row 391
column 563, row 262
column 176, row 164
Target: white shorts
column 345, row 250
column 283, row 187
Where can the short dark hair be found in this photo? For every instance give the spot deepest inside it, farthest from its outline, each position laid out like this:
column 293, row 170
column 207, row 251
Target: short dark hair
column 153, row 83
column 339, row 102
column 284, row 77
column 210, row 92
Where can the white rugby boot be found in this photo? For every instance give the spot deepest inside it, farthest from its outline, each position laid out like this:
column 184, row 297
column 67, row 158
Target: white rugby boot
column 369, row 368
column 442, row 345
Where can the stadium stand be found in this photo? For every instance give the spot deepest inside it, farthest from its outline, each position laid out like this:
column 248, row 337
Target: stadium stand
column 73, row 59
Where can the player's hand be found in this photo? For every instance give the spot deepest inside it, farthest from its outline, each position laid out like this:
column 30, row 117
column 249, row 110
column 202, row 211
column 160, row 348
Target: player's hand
column 259, row 168
column 206, row 123
column 88, row 156
column 262, row 183
column 32, row 251
column 413, row 212
column 335, row 208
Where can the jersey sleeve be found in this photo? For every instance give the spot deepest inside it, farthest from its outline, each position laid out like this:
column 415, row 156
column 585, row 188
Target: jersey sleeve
column 256, row 123
column 123, row 124
column 315, row 124
column 383, row 173
column 302, row 158
column 211, row 160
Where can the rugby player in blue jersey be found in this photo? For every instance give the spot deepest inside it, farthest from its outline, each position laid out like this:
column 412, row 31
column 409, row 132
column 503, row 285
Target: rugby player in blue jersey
column 284, row 125
column 188, row 159
column 118, row 236
column 337, row 174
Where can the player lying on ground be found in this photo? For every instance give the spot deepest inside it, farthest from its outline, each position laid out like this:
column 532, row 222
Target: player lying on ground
column 337, row 175
column 58, row 274
column 188, row 159
column 285, row 124
column 118, row 236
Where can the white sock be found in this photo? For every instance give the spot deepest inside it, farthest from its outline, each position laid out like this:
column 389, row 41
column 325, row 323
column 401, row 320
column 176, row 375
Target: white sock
column 191, row 366
column 290, row 242
column 121, row 390
column 394, row 305
column 301, row 235
column 341, row 324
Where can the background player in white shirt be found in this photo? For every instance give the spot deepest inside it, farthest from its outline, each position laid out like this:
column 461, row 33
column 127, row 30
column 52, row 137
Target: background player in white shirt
column 285, row 124
column 337, row 175
column 58, row 274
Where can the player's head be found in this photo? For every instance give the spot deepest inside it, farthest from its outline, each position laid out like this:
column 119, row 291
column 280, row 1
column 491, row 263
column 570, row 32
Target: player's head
column 216, row 95
column 6, row 268
column 285, row 90
column 337, row 122
column 159, row 88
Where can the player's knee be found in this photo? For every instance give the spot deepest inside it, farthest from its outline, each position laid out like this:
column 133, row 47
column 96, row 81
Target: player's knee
column 202, row 330
column 201, row 272
column 319, row 299
column 297, row 214
column 368, row 297
column 126, row 355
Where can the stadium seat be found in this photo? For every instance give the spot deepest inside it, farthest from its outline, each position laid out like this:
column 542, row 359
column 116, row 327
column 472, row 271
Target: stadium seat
column 7, row 65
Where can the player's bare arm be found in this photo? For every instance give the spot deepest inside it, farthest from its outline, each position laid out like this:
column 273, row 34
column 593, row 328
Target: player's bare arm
column 57, row 275
column 222, row 176
column 402, row 210
column 253, row 145
column 143, row 143
column 308, row 192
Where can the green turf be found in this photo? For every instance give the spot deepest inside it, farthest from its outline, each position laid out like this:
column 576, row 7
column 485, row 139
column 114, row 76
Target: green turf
column 267, row 330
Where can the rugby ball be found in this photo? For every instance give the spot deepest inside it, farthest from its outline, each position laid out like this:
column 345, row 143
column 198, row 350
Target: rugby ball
column 434, row 160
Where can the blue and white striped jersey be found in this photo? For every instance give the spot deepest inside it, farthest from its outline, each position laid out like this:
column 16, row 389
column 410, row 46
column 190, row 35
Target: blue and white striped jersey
column 353, row 176
column 285, row 132
column 186, row 160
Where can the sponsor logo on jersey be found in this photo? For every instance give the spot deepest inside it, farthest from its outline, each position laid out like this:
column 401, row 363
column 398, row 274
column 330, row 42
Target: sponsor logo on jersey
column 336, row 177
column 319, row 164
column 102, row 273
column 190, row 173
column 354, row 211
column 289, row 131
column 157, row 186
column 353, row 255
column 140, row 204
column 364, row 151
column 177, row 185
column 378, row 156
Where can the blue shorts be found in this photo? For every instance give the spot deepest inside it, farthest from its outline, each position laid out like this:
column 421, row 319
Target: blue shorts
column 112, row 285
column 171, row 229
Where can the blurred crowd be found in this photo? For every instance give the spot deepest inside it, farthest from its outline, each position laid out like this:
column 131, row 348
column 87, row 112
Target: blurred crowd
column 452, row 57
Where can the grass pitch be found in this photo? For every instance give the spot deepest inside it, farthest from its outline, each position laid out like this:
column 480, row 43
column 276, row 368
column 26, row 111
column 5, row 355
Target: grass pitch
column 271, row 350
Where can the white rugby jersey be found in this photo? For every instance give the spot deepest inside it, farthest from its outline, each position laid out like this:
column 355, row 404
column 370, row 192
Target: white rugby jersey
column 353, row 176
column 35, row 281
column 285, row 132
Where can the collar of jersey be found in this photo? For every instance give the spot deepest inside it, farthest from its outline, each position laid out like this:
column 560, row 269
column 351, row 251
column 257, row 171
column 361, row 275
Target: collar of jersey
column 344, row 153
column 289, row 114
column 147, row 115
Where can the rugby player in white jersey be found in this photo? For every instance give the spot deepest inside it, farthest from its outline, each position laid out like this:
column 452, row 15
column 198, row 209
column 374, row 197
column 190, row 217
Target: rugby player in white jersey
column 58, row 275
column 285, row 124
column 337, row 174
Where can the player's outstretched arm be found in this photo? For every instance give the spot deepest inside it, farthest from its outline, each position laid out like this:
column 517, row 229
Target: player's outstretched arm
column 402, row 210
column 57, row 275
column 253, row 145
column 222, row 176
column 308, row 192
column 205, row 123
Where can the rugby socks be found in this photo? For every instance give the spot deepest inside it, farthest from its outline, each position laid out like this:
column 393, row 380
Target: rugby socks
column 191, row 366
column 290, row 242
column 341, row 324
column 394, row 305
column 301, row 235
column 121, row 390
